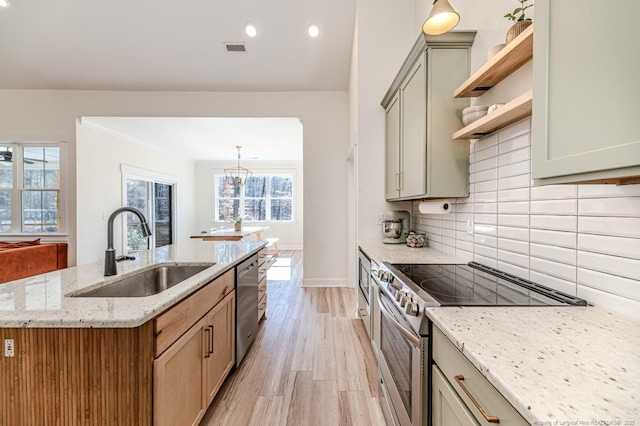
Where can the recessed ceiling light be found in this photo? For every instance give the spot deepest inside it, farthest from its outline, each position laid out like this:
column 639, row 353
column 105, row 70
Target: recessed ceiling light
column 250, row 29
column 313, row 31
column 4, row 3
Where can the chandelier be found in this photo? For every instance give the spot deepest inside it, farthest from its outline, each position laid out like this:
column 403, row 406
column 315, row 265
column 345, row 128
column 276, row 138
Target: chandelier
column 237, row 175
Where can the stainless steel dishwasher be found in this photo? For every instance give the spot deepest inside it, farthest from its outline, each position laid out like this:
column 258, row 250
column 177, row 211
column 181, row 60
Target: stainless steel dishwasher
column 246, row 305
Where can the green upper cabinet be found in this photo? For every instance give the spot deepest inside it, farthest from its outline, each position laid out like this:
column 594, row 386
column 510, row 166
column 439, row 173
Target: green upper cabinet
column 422, row 160
column 586, row 87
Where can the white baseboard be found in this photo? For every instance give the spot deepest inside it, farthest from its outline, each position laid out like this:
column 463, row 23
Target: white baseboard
column 324, row 282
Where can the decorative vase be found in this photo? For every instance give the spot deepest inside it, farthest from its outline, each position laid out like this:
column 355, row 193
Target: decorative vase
column 238, row 226
column 516, row 29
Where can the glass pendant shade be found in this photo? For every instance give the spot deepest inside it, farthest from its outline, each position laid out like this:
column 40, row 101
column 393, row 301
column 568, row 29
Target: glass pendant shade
column 441, row 19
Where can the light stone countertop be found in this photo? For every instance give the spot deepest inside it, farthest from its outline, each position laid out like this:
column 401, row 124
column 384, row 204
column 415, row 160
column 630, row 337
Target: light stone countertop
column 44, row 301
column 400, row 253
column 555, row 365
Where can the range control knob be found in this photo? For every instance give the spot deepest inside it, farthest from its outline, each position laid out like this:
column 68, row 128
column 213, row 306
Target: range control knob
column 404, row 300
column 412, row 309
column 400, row 295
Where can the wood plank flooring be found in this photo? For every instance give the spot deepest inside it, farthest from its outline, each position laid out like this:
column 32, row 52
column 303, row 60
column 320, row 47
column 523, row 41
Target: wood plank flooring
column 311, row 363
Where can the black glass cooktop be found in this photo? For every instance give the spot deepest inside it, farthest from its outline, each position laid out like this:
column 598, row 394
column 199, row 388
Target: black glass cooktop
column 479, row 285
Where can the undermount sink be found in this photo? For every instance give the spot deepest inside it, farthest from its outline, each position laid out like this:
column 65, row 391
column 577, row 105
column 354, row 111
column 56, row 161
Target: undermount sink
column 147, row 283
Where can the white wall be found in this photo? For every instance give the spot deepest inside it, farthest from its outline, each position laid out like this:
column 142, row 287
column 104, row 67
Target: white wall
column 52, row 114
column 290, row 234
column 580, row 239
column 100, row 156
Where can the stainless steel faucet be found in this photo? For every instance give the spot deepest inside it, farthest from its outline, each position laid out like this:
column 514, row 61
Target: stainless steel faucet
column 110, row 255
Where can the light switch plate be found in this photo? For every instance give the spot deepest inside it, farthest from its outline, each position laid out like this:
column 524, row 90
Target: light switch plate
column 8, row 348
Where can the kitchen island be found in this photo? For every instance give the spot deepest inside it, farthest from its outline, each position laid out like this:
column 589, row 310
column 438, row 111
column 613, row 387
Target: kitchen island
column 158, row 359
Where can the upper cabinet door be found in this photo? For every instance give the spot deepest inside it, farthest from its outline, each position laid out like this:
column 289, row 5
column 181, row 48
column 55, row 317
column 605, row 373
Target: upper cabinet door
column 393, row 148
column 586, row 122
column 413, row 114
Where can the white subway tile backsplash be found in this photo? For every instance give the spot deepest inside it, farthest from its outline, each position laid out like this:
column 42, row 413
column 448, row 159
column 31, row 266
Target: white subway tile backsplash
column 522, row 181
column 582, row 240
column 558, row 254
column 515, row 207
column 511, row 233
column 625, row 207
column 620, row 226
column 520, row 194
column 514, row 144
column 512, row 258
column 611, row 284
column 622, row 305
column 616, row 246
column 514, row 220
column 555, row 269
column 515, row 169
column 620, row 266
column 608, row 191
column 554, row 238
column 513, row 157
column 514, row 246
column 555, row 207
column 554, row 192
column 515, row 130
column 555, row 223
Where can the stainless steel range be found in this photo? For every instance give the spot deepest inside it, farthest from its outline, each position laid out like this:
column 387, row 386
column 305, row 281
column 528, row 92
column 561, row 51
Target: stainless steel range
column 405, row 354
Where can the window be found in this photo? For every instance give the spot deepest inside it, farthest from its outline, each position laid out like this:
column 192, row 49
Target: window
column 30, row 188
column 153, row 194
column 263, row 198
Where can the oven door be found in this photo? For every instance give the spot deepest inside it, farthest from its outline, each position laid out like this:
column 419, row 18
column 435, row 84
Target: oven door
column 400, row 363
column 364, row 275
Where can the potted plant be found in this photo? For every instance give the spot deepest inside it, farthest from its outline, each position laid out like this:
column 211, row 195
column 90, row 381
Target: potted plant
column 238, row 223
column 521, row 22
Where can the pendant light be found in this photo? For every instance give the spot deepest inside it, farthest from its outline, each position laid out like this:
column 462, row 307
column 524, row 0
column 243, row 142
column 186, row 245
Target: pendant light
column 237, row 175
column 442, row 18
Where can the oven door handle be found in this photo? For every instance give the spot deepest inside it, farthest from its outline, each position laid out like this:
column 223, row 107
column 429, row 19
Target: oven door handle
column 409, row 335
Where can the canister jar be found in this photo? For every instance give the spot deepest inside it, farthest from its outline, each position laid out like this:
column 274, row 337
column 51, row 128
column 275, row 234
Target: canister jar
column 416, row 239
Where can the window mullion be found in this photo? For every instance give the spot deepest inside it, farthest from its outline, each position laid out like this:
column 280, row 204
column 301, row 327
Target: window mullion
column 18, row 188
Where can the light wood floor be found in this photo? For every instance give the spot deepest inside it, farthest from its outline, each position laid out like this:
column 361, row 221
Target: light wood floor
column 311, row 362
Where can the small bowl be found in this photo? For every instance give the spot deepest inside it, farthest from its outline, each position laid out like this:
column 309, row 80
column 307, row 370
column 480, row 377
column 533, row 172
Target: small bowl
column 475, row 109
column 473, row 116
column 493, row 107
column 494, row 50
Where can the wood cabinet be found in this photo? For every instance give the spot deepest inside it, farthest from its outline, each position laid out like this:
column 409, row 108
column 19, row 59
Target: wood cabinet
column 164, row 372
column 585, row 114
column 189, row 373
column 461, row 394
column 499, row 67
column 421, row 116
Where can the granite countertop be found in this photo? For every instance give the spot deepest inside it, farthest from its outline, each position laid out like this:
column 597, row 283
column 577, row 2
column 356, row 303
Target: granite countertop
column 400, row 253
column 555, row 365
column 45, row 301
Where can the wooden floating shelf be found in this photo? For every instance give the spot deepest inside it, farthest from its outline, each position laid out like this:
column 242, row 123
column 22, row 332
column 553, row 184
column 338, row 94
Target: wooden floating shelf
column 507, row 114
column 509, row 59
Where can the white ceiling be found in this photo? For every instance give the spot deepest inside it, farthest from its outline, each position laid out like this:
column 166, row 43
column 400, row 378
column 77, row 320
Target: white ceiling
column 210, row 139
column 175, row 45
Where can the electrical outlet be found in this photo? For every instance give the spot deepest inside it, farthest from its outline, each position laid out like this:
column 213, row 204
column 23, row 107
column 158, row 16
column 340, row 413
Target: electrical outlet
column 379, row 218
column 469, row 227
column 8, row 348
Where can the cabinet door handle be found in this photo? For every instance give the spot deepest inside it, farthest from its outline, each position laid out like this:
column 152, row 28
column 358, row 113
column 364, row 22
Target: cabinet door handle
column 491, row 419
column 207, row 353
column 211, row 339
column 397, row 181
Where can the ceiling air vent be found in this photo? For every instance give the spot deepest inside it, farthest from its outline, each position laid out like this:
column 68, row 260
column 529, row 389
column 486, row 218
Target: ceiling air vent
column 233, row 47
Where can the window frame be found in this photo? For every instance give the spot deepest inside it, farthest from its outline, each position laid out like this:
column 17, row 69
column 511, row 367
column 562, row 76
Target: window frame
column 131, row 172
column 17, row 189
column 268, row 173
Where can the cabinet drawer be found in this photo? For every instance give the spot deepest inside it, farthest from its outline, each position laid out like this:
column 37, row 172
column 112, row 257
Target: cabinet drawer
column 170, row 325
column 262, row 288
column 469, row 383
column 262, row 272
column 262, row 306
column 262, row 256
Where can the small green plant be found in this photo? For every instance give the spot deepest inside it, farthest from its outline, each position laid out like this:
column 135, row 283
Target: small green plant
column 238, row 219
column 518, row 14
